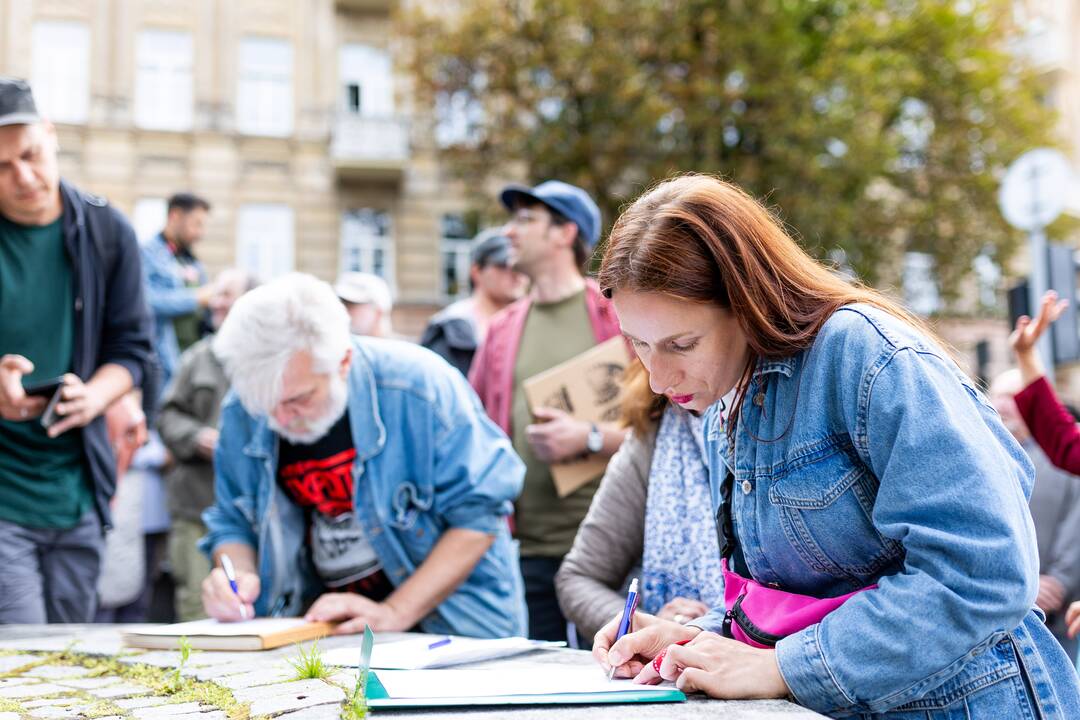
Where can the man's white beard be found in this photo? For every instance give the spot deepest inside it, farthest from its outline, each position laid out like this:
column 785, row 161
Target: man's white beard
column 305, row 432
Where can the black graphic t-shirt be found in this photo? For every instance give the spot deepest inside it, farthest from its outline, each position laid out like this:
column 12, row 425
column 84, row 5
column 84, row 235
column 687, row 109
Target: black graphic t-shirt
column 318, row 477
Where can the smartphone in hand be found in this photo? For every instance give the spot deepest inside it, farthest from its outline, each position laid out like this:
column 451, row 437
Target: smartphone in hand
column 45, row 388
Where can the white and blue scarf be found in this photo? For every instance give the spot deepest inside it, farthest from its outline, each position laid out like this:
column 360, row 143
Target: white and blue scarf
column 681, row 557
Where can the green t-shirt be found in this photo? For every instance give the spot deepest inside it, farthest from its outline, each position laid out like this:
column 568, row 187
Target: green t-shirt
column 544, row 523
column 188, row 326
column 43, row 481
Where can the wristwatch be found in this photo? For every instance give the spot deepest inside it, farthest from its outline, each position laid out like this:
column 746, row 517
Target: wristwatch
column 594, row 443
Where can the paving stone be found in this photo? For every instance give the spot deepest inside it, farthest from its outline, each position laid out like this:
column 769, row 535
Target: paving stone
column 157, row 658
column 211, row 715
column 111, row 717
column 122, row 690
column 32, row 690
column 140, row 702
column 12, row 682
column 56, row 672
column 11, row 662
column 319, row 712
column 57, row 702
column 9, row 716
column 90, row 683
column 79, row 711
column 277, row 699
column 266, row 676
column 167, row 710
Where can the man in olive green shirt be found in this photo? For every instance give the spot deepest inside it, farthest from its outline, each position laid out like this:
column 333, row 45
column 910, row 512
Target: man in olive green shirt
column 552, row 230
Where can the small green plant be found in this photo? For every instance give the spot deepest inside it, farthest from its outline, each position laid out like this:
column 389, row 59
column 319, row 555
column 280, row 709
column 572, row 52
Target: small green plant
column 309, row 665
column 185, row 653
column 355, row 707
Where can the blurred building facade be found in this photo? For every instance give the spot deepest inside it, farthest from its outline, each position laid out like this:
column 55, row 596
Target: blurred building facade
column 294, row 119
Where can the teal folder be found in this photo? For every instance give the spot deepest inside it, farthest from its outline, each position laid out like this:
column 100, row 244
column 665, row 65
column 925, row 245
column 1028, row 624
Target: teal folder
column 377, row 697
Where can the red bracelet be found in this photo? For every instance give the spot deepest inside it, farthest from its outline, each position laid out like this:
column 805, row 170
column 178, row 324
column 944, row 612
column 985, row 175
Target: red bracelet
column 656, row 662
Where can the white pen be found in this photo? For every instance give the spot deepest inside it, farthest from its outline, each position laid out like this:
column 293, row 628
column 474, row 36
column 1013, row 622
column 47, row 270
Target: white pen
column 230, row 573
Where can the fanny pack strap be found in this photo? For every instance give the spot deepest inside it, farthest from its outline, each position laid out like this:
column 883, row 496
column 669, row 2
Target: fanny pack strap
column 725, row 530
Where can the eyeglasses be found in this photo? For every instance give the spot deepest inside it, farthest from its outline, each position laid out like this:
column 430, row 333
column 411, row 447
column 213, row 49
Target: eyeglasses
column 525, row 217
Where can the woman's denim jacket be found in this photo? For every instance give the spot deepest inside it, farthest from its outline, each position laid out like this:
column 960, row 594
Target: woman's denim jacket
column 427, row 459
column 871, row 458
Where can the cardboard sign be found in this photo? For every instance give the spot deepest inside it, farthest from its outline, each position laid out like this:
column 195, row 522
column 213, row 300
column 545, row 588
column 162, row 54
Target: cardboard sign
column 588, row 387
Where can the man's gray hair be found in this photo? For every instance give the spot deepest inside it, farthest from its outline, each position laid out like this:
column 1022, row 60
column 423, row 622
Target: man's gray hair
column 270, row 324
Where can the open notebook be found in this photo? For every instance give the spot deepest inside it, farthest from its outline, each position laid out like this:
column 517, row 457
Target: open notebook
column 531, row 684
column 258, row 634
column 521, row 682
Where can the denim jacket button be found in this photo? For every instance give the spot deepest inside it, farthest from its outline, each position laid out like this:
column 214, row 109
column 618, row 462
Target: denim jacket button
column 746, row 487
column 759, row 399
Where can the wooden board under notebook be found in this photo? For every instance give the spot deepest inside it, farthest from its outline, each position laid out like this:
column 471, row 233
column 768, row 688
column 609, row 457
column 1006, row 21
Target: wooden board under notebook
column 258, row 634
column 589, row 387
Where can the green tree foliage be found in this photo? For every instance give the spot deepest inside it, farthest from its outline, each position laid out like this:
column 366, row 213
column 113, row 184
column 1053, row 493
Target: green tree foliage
column 875, row 126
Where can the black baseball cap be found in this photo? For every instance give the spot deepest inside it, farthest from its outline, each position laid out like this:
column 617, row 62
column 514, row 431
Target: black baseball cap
column 17, row 105
column 490, row 247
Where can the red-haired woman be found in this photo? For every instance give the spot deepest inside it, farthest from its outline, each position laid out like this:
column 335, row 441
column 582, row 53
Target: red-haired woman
column 861, row 471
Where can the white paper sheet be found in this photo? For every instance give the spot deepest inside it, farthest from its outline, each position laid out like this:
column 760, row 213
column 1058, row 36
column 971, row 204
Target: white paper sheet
column 518, row 679
column 258, row 626
column 417, row 654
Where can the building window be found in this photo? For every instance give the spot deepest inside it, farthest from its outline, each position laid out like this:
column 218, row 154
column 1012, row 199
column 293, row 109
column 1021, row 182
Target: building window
column 366, row 243
column 919, row 282
column 60, row 75
column 454, row 250
column 148, row 217
column 163, row 89
column 367, row 81
column 264, row 102
column 264, row 239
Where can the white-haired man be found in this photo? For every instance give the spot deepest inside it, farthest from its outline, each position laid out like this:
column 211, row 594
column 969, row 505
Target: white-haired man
column 357, row 479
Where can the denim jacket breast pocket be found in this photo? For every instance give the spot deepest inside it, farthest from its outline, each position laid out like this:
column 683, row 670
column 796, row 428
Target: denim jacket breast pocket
column 825, row 501
column 411, row 518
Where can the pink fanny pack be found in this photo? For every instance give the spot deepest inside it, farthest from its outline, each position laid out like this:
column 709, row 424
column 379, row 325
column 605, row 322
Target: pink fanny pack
column 761, row 616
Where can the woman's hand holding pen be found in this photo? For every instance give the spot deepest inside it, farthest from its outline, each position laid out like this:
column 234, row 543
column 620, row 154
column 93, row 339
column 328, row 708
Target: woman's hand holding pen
column 719, row 667
column 636, row 649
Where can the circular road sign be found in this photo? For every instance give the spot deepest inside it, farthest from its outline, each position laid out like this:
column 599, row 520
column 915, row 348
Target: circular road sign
column 1035, row 189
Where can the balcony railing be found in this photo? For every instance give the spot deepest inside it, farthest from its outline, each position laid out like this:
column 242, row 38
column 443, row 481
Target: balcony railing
column 367, row 5
column 370, row 146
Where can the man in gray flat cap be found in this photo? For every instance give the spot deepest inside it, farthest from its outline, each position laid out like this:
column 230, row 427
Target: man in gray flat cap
column 73, row 308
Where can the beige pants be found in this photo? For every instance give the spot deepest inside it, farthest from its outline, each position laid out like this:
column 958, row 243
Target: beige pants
column 189, row 568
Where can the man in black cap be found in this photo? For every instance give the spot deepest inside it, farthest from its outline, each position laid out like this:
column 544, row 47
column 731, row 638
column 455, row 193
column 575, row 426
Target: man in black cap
column 72, row 307
column 456, row 331
column 553, row 230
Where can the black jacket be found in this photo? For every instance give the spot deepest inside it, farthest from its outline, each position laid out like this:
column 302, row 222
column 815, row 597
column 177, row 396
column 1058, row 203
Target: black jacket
column 452, row 336
column 112, row 319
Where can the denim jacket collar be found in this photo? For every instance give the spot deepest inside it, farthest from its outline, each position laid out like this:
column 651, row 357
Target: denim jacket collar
column 785, row 366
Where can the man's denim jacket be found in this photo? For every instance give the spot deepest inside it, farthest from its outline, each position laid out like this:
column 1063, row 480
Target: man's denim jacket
column 427, row 459
column 871, row 458
column 168, row 297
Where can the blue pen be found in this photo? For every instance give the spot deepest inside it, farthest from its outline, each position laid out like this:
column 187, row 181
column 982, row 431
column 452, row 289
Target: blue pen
column 230, row 573
column 627, row 618
column 439, row 643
